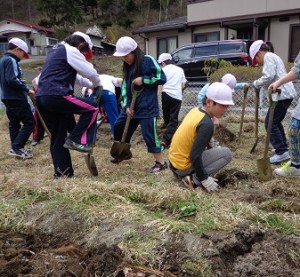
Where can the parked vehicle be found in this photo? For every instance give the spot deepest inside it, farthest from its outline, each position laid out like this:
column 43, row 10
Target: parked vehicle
column 191, row 57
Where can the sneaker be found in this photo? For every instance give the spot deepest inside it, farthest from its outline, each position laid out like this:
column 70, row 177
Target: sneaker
column 21, row 153
column 69, row 144
column 287, row 170
column 35, row 142
column 158, row 167
column 127, row 157
column 276, row 159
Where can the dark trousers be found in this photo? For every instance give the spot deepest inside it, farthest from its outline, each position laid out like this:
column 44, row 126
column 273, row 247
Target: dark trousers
column 56, row 112
column 170, row 108
column 148, row 127
column 19, row 112
column 278, row 137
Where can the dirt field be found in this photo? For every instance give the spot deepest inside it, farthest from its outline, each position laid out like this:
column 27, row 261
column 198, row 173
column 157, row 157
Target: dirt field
column 126, row 222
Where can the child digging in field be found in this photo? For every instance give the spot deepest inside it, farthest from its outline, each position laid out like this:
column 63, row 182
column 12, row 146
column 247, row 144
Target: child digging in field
column 142, row 72
column 65, row 63
column 14, row 96
column 291, row 168
column 190, row 158
column 273, row 69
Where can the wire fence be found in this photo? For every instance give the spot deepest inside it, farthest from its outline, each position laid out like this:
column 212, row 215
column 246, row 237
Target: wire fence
column 191, row 92
column 190, row 101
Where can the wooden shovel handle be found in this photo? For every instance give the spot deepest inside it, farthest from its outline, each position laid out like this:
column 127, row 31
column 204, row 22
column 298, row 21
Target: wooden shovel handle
column 31, row 96
column 135, row 94
column 243, row 111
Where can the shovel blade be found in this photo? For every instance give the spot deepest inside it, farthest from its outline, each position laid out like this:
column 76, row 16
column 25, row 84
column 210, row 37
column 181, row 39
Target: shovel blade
column 254, row 145
column 264, row 169
column 119, row 149
column 91, row 164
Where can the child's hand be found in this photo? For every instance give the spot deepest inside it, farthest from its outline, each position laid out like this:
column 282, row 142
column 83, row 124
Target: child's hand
column 31, row 92
column 129, row 112
column 138, row 81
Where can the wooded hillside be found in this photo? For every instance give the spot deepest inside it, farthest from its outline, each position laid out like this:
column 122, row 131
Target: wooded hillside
column 115, row 17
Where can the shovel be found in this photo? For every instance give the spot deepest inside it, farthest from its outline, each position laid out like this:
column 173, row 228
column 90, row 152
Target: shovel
column 90, row 163
column 31, row 96
column 120, row 149
column 256, row 120
column 243, row 112
column 263, row 165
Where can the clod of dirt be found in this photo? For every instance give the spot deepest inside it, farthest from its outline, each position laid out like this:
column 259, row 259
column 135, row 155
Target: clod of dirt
column 224, row 135
column 232, row 177
column 248, row 128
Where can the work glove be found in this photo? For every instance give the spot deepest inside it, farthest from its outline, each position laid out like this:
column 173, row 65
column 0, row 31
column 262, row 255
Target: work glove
column 210, row 184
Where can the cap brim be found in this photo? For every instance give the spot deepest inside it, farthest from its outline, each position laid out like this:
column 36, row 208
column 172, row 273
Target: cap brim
column 119, row 54
column 227, row 103
column 89, row 54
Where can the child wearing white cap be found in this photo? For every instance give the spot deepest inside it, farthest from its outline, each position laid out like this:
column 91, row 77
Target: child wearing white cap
column 273, row 69
column 228, row 79
column 190, row 157
column 66, row 63
column 140, row 72
column 14, row 96
column 291, row 168
column 171, row 96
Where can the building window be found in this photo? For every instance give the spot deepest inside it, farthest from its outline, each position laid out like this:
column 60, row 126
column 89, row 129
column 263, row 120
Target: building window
column 212, row 36
column 166, row 45
column 51, row 41
column 294, row 42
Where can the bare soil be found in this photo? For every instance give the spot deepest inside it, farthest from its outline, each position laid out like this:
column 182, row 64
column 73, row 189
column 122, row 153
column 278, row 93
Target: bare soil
column 244, row 252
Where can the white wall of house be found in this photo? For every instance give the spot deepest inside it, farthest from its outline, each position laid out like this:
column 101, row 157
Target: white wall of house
column 211, row 10
column 280, row 35
column 209, row 29
column 183, row 38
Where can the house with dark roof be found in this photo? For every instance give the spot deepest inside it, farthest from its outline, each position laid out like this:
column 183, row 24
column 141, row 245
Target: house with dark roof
column 38, row 38
column 208, row 20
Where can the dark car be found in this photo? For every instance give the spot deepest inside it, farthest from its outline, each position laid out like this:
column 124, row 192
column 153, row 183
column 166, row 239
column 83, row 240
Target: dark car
column 191, row 57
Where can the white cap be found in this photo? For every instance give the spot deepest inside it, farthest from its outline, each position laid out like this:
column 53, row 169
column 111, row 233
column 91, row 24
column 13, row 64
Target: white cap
column 229, row 80
column 124, row 46
column 220, row 93
column 20, row 44
column 86, row 37
column 164, row 57
column 254, row 48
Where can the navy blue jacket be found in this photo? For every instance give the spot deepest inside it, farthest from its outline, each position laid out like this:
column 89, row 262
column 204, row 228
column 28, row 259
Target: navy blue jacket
column 59, row 72
column 57, row 77
column 12, row 87
column 146, row 105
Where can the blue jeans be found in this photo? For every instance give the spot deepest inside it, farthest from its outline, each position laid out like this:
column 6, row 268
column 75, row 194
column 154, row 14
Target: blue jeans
column 278, row 137
column 294, row 131
column 109, row 101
